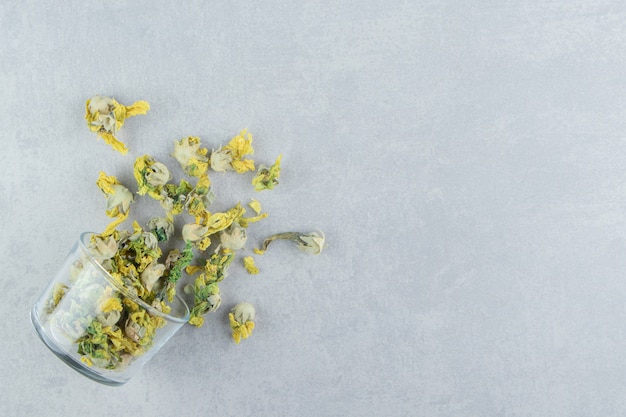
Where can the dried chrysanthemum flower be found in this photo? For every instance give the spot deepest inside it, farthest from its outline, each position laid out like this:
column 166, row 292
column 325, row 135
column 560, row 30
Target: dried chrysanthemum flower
column 146, row 239
column 118, row 198
column 151, row 176
column 106, row 116
column 158, row 174
column 233, row 238
column 134, row 331
column 267, row 177
column 231, row 156
column 207, row 299
column 312, row 242
column 241, row 321
column 221, row 160
column 191, row 157
column 151, row 275
column 109, row 319
column 161, row 227
column 103, row 249
column 194, row 232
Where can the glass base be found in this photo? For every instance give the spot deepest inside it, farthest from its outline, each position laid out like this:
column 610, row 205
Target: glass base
column 69, row 360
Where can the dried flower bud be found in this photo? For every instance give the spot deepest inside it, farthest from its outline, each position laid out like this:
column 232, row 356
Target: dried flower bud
column 233, row 238
column 102, row 249
column 194, row 232
column 188, row 148
column 312, row 243
column 221, row 160
column 134, row 331
column 105, row 116
column 243, row 312
column 151, row 275
column 158, row 174
column 119, row 199
column 101, row 104
column 161, row 227
column 150, row 241
column 214, row 301
column 241, row 321
column 110, row 318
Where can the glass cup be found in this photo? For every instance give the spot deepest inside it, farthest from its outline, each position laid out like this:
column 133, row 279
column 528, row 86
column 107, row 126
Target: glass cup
column 96, row 325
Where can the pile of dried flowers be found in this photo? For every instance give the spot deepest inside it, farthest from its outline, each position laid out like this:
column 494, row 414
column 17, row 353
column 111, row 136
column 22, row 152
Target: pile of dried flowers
column 134, row 258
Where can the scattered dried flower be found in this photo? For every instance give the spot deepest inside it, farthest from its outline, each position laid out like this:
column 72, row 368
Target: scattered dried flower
column 151, row 275
column 161, row 227
column 241, row 321
column 194, row 232
column 105, row 116
column 312, row 242
column 267, row 178
column 221, row 160
column 233, row 238
column 191, row 157
column 121, row 329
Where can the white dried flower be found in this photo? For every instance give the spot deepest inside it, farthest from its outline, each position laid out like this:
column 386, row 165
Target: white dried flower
column 194, row 232
column 233, row 238
column 151, row 275
column 103, row 107
column 221, row 160
column 134, row 331
column 102, row 249
column 107, row 123
column 149, row 239
column 158, row 174
column 312, row 243
column 188, row 148
column 173, row 256
column 162, row 227
column 167, row 202
column 119, row 199
column 101, row 104
column 243, row 312
column 214, row 301
column 110, row 318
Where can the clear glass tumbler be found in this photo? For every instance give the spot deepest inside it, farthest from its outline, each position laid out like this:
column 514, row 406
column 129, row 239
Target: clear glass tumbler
column 97, row 326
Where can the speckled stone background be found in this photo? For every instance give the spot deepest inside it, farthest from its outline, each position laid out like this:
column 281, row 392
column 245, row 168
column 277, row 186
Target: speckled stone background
column 467, row 161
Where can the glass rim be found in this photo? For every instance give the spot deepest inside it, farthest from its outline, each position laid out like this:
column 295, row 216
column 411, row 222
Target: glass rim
column 123, row 290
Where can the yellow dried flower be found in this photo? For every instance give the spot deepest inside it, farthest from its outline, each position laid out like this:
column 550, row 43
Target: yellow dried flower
column 197, row 321
column 267, row 178
column 150, row 176
column 220, row 221
column 191, row 157
column 106, row 116
column 240, row 145
column 111, row 304
column 241, row 321
column 232, row 155
column 118, row 198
